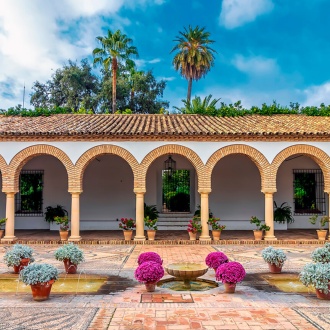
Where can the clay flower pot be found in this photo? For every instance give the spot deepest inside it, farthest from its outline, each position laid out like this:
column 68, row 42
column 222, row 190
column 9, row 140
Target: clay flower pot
column 322, row 234
column 24, row 262
column 216, row 235
column 258, row 235
column 128, row 235
column 151, row 234
column 274, row 269
column 70, row 268
column 64, row 235
column 150, row 287
column 230, row 287
column 41, row 291
column 192, row 236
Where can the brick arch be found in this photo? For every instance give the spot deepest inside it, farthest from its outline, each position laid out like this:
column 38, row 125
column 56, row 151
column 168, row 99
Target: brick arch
column 21, row 158
column 173, row 149
column 3, row 168
column 92, row 153
column 256, row 156
column 318, row 155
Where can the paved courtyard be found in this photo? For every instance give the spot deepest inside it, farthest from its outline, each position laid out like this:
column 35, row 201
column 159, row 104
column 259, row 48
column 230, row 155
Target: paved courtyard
column 127, row 306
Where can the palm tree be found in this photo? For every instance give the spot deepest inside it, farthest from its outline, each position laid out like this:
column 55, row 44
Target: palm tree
column 115, row 49
column 194, row 57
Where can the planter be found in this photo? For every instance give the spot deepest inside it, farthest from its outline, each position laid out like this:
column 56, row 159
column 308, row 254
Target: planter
column 128, row 234
column 41, row 291
column 258, row 235
column 150, row 287
column 274, row 269
column 192, row 236
column 321, row 295
column 24, row 262
column 70, row 268
column 2, row 231
column 64, row 235
column 229, row 287
column 216, row 235
column 322, row 234
column 151, row 234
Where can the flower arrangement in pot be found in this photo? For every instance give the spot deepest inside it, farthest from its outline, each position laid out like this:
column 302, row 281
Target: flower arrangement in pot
column 71, row 256
column 216, row 228
column 230, row 273
column 215, row 259
column 318, row 276
column 2, row 226
column 64, row 227
column 18, row 257
column 275, row 259
column 194, row 227
column 258, row 233
column 322, row 254
column 41, row 278
column 322, row 232
column 151, row 224
column 127, row 225
column 149, row 256
column 149, row 273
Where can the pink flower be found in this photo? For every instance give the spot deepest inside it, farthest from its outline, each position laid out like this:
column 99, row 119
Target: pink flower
column 215, row 259
column 230, row 272
column 149, row 256
column 149, row 272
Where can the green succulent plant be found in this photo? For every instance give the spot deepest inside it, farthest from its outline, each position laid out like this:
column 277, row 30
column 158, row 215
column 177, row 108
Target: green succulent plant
column 13, row 256
column 70, row 251
column 316, row 275
column 38, row 273
column 273, row 256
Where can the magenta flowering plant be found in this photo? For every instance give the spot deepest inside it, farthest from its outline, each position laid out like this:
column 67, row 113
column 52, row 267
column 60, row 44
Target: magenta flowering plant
column 149, row 272
column 215, row 259
column 230, row 272
column 149, row 256
column 194, row 225
column 127, row 224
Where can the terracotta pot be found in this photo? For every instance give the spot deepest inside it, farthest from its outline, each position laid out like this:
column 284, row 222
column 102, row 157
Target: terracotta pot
column 24, row 262
column 258, row 235
column 321, row 295
column 2, row 231
column 216, row 235
column 128, row 234
column 230, row 287
column 322, row 234
column 192, row 236
column 70, row 268
column 64, row 235
column 150, row 287
column 151, row 234
column 41, row 291
column 274, row 269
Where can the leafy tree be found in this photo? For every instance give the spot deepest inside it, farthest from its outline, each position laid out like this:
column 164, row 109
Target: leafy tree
column 199, row 106
column 115, row 47
column 194, row 56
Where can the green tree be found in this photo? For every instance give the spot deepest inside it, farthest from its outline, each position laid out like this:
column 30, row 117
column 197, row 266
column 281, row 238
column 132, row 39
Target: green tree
column 115, row 47
column 194, row 56
column 199, row 106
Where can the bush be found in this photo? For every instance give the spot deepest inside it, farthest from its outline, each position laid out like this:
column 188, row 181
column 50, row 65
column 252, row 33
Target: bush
column 149, row 272
column 149, row 256
column 70, row 251
column 316, row 275
column 322, row 254
column 215, row 259
column 274, row 256
column 13, row 256
column 230, row 272
column 38, row 273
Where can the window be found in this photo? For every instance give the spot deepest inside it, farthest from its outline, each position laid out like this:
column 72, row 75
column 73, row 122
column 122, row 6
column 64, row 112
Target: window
column 308, row 190
column 29, row 198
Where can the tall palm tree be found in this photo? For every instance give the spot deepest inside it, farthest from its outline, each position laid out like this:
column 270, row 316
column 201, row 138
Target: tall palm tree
column 115, row 48
column 195, row 56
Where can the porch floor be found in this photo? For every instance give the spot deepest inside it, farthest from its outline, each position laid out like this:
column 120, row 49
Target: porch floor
column 290, row 236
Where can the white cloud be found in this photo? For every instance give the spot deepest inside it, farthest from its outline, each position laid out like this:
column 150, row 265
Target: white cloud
column 142, row 63
column 235, row 13
column 256, row 65
column 315, row 95
column 166, row 78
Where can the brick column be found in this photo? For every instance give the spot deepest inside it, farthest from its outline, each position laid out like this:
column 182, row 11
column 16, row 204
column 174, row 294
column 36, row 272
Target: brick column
column 269, row 215
column 10, row 215
column 205, row 235
column 75, row 217
column 139, row 234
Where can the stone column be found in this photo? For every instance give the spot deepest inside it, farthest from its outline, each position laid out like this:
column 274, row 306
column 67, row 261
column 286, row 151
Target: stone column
column 139, row 236
column 10, row 215
column 205, row 235
column 269, row 215
column 75, row 217
column 329, row 212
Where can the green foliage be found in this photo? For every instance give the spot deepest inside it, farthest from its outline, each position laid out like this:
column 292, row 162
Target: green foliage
column 52, row 212
column 23, row 112
column 150, row 211
column 70, row 251
column 316, row 275
column 214, row 223
column 63, row 222
column 150, row 223
column 258, row 224
column 322, row 254
column 179, row 202
column 199, row 106
column 2, row 222
column 13, row 256
column 323, row 221
column 282, row 213
column 194, row 225
column 38, row 273
column 273, row 256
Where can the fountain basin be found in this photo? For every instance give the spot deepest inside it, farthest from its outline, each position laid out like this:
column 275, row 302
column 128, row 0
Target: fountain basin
column 186, row 270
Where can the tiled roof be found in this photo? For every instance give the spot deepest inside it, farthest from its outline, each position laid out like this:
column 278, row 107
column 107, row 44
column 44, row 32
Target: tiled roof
column 163, row 125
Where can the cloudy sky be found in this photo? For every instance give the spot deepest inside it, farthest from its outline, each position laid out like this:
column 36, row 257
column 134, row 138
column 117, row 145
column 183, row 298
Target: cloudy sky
column 266, row 49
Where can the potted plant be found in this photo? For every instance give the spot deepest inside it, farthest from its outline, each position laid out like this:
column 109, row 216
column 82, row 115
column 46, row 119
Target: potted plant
column 18, row 257
column 41, row 278
column 230, row 273
column 282, row 213
column 322, row 254
column 198, row 212
column 194, row 227
column 52, row 212
column 2, row 226
column 127, row 225
column 149, row 273
column 150, row 211
column 64, row 227
column 258, row 233
column 216, row 228
column 149, row 256
column 151, row 224
column 275, row 259
column 318, row 276
column 322, row 232
column 71, row 256
column 215, row 259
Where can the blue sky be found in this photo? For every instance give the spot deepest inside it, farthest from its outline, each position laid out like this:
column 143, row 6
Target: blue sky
column 266, row 49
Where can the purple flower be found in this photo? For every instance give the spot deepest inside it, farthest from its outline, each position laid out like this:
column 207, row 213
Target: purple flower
column 215, row 259
column 149, row 256
column 230, row 272
column 149, row 272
